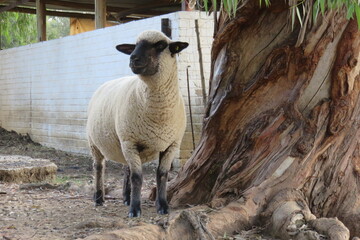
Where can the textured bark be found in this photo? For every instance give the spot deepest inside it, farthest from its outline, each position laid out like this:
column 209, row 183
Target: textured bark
column 280, row 117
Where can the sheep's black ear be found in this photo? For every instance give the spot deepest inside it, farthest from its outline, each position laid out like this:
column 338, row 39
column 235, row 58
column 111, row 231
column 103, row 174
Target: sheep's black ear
column 126, row 48
column 176, row 47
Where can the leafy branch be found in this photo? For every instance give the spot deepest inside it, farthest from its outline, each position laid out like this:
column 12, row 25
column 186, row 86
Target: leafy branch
column 298, row 8
column 17, row 29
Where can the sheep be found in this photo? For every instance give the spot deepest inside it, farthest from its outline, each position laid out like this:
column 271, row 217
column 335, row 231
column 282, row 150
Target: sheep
column 135, row 119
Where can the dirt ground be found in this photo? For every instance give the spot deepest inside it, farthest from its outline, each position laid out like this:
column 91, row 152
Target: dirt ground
column 63, row 208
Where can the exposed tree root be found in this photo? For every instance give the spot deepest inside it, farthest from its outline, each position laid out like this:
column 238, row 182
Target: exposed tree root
column 145, row 231
column 352, row 221
column 286, row 216
column 332, row 227
column 195, row 223
column 188, row 224
column 288, row 213
column 291, row 218
column 190, row 221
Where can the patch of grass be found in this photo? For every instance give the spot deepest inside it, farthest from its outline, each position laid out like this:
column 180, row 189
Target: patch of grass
column 60, row 180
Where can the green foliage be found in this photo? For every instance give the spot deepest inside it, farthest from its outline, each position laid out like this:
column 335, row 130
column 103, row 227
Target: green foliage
column 62, row 180
column 230, row 6
column 57, row 27
column 17, row 29
column 320, row 6
column 267, row 2
column 298, row 8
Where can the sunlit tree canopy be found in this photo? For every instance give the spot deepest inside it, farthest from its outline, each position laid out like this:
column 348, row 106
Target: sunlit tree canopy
column 18, row 29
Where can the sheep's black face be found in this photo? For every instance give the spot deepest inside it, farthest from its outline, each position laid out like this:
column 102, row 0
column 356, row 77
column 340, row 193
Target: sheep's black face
column 144, row 60
column 145, row 56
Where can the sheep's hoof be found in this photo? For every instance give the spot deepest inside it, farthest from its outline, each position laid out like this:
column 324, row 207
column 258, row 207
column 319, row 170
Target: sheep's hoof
column 134, row 213
column 126, row 200
column 135, row 209
column 162, row 207
column 163, row 211
column 99, row 198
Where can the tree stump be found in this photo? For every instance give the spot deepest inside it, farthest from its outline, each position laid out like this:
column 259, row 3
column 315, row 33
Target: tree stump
column 21, row 169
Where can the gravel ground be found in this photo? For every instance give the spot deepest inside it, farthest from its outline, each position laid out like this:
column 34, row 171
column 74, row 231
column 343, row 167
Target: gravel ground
column 63, row 208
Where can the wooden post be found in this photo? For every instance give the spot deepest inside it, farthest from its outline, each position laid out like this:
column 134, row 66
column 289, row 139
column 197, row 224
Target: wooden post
column 187, row 5
column 100, row 13
column 166, row 27
column 41, row 20
column 201, row 63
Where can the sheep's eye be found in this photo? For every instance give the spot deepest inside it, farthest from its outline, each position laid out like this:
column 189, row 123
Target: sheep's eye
column 160, row 45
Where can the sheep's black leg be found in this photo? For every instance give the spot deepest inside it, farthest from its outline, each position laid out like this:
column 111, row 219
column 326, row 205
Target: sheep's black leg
column 99, row 169
column 126, row 186
column 99, row 196
column 162, row 206
column 131, row 154
column 165, row 161
column 135, row 202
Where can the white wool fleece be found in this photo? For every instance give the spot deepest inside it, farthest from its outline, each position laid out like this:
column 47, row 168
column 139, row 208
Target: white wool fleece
column 143, row 112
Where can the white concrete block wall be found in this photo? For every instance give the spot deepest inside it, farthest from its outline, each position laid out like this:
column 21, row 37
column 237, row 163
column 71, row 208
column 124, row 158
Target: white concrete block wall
column 189, row 60
column 45, row 87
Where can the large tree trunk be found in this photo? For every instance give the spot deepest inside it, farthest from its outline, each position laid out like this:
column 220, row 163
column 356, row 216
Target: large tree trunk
column 282, row 122
column 280, row 145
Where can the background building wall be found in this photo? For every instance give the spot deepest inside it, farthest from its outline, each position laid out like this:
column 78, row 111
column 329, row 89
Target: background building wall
column 189, row 60
column 45, row 87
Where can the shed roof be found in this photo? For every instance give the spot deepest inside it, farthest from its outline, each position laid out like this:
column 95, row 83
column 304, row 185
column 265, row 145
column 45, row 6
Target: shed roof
column 116, row 10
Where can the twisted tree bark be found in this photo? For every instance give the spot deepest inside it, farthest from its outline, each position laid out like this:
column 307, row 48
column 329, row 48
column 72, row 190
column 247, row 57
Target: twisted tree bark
column 282, row 122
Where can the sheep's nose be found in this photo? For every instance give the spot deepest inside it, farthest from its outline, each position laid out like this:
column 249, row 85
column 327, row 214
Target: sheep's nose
column 134, row 58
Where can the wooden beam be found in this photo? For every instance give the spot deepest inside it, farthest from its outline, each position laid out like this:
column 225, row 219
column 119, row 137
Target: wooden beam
column 13, row 5
column 41, row 20
column 74, row 5
column 100, row 13
column 80, row 6
column 141, row 11
column 71, row 14
column 143, row 7
column 166, row 27
column 109, row 17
